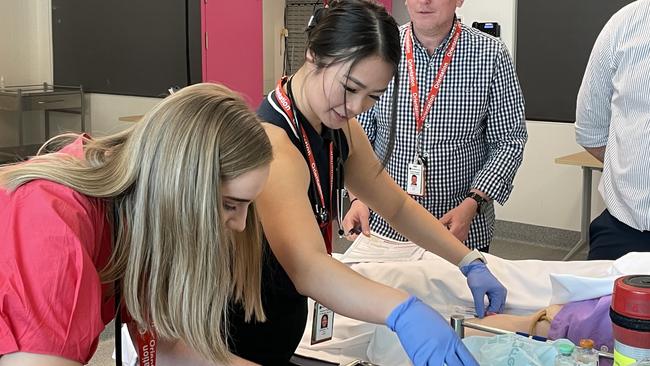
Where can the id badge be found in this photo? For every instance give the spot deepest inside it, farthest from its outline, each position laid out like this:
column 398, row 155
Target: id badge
column 322, row 325
column 415, row 185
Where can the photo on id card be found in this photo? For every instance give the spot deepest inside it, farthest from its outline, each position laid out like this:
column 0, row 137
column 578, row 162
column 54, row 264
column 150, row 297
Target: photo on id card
column 322, row 324
column 415, row 184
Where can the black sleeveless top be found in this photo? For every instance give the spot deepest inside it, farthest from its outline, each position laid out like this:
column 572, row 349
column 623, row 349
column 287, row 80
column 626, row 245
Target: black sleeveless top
column 274, row 341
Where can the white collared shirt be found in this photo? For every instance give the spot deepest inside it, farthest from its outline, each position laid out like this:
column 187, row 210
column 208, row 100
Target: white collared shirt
column 613, row 110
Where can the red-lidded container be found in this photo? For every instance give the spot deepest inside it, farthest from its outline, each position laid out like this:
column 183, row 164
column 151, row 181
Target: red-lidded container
column 630, row 314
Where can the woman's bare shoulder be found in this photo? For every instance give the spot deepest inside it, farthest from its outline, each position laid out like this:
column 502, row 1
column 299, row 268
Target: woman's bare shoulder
column 283, row 148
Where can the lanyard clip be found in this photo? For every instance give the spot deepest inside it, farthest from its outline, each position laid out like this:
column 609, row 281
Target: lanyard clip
column 322, row 215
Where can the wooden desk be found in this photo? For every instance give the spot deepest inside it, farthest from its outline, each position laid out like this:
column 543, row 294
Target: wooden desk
column 134, row 118
column 588, row 164
column 583, row 159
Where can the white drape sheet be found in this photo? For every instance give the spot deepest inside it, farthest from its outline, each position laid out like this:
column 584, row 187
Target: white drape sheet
column 441, row 285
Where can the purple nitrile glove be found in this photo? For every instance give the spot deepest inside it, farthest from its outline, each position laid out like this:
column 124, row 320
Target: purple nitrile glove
column 426, row 336
column 482, row 282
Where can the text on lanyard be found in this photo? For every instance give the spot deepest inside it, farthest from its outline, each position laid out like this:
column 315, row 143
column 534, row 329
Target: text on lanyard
column 285, row 103
column 442, row 71
column 147, row 346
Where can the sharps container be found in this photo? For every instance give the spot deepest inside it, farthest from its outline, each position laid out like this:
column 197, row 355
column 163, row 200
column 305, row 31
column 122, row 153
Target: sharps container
column 630, row 314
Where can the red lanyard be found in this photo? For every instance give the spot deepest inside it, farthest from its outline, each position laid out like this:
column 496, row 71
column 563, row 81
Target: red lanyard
column 147, row 345
column 285, row 104
column 442, row 71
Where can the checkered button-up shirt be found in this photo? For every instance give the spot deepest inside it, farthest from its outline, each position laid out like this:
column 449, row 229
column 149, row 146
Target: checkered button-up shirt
column 473, row 137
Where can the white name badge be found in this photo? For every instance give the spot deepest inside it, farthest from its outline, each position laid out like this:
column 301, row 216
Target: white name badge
column 322, row 325
column 415, row 184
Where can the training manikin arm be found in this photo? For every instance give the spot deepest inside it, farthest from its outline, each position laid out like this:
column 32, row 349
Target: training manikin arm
column 533, row 324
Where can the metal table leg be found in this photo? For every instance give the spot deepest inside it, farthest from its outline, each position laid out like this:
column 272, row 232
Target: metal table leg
column 21, row 138
column 46, row 114
column 82, row 110
column 585, row 216
column 456, row 322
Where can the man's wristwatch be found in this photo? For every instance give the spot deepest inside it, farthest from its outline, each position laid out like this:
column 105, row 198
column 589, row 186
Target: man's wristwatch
column 480, row 201
column 471, row 257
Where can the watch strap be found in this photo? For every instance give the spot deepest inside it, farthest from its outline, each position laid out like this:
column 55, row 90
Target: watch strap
column 471, row 257
column 480, row 201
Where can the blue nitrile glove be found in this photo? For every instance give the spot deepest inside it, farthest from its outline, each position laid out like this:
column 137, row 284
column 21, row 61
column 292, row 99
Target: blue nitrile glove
column 426, row 337
column 482, row 282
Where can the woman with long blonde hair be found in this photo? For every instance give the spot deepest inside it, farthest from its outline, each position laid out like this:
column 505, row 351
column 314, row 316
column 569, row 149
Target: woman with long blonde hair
column 163, row 210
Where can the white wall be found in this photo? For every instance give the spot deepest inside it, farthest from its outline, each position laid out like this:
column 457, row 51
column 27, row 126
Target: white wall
column 25, row 42
column 107, row 108
column 399, row 12
column 500, row 11
column 545, row 193
column 103, row 113
column 273, row 24
column 25, row 49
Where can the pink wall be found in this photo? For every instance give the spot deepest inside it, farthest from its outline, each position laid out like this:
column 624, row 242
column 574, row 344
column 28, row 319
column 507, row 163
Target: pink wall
column 234, row 51
column 234, row 47
column 388, row 4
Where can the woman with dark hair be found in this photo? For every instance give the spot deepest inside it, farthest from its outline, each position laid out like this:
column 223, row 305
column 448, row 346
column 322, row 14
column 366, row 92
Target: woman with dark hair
column 353, row 52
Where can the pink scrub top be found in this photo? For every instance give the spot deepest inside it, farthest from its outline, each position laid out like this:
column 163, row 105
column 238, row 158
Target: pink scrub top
column 53, row 242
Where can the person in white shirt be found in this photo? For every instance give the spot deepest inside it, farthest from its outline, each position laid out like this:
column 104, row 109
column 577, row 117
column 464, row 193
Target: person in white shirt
column 613, row 124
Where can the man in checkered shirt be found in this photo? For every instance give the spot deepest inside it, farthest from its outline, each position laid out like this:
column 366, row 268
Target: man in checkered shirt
column 471, row 141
